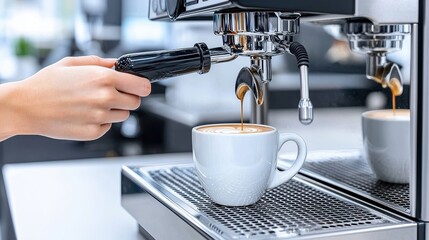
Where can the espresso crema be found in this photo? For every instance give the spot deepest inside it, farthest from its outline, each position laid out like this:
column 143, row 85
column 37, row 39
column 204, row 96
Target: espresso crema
column 399, row 114
column 234, row 129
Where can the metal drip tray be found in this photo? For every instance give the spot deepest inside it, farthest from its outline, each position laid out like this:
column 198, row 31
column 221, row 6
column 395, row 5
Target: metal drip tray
column 296, row 209
column 350, row 171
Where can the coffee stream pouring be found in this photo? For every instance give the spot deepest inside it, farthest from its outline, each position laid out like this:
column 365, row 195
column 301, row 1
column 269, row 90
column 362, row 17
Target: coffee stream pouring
column 258, row 35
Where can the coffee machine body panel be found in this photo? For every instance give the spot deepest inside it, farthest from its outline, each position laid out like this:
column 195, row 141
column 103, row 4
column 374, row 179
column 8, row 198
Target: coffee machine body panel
column 327, row 11
column 201, row 9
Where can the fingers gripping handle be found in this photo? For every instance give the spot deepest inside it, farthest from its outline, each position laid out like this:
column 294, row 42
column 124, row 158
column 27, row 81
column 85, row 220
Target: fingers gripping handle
column 283, row 176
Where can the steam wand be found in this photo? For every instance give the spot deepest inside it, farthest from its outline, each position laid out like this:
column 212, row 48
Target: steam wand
column 305, row 106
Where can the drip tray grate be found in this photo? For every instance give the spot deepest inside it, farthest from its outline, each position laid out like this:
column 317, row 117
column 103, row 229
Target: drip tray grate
column 294, row 208
column 349, row 170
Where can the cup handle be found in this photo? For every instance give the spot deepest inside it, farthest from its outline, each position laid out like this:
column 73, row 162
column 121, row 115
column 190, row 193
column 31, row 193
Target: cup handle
column 283, row 176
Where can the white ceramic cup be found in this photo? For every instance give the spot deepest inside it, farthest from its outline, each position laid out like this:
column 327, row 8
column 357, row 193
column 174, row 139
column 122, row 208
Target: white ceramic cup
column 386, row 140
column 236, row 169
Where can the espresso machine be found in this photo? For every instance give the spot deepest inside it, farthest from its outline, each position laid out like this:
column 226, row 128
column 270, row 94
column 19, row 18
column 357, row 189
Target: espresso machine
column 335, row 195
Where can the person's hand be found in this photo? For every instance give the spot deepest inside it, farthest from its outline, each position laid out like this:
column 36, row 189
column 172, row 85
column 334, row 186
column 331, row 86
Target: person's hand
column 77, row 98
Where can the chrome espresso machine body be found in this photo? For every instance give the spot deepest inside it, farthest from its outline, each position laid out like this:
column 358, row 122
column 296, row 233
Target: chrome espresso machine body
column 334, row 196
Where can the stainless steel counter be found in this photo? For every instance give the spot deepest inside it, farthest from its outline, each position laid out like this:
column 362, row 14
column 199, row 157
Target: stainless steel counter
column 299, row 209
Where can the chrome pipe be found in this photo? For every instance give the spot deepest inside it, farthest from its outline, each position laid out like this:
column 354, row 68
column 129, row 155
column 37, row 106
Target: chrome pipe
column 305, row 107
column 259, row 113
column 221, row 55
column 264, row 66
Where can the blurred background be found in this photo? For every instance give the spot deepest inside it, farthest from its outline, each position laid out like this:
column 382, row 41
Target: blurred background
column 36, row 33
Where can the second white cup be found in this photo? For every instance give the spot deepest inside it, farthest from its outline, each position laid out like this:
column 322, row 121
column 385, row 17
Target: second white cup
column 386, row 139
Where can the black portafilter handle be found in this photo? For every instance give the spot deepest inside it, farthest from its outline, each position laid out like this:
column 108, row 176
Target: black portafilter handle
column 156, row 65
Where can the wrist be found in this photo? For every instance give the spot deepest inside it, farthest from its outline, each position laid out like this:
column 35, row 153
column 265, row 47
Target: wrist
column 11, row 121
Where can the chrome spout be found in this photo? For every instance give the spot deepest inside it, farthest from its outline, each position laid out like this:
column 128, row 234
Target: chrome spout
column 387, row 74
column 249, row 79
column 256, row 79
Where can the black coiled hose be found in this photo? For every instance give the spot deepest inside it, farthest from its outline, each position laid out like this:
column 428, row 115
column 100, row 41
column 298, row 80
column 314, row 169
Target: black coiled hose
column 300, row 53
